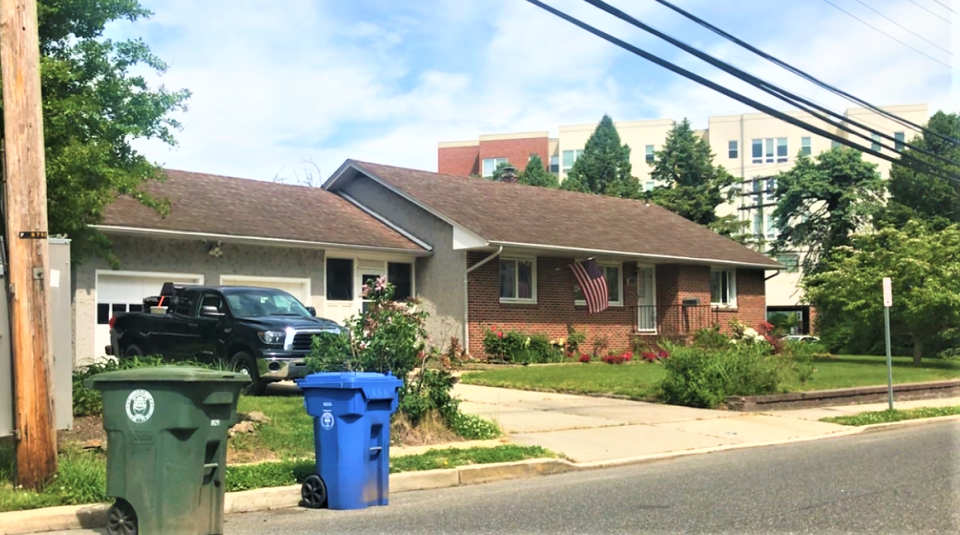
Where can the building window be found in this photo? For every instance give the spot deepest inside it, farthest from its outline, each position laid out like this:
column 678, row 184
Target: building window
column 805, row 146
column 771, row 190
column 899, row 138
column 770, row 150
column 875, row 142
column 723, row 287
column 400, row 275
column 791, row 262
column 555, row 164
column 771, row 227
column 518, row 280
column 648, row 186
column 569, row 157
column 613, row 274
column 340, row 279
column 490, row 165
column 758, row 224
column 649, row 153
column 733, row 151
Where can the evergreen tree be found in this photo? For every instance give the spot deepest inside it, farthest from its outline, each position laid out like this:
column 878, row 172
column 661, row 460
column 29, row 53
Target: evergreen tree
column 501, row 171
column 604, row 166
column 688, row 182
column 536, row 175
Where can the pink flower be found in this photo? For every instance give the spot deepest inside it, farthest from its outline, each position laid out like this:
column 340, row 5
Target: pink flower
column 499, row 334
column 365, row 290
column 381, row 284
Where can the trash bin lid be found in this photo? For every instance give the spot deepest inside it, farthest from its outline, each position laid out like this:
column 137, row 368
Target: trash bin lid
column 374, row 385
column 179, row 374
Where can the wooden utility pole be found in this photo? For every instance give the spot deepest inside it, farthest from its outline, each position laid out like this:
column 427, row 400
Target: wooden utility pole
column 26, row 218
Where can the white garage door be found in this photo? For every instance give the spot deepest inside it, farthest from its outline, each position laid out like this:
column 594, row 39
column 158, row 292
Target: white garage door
column 119, row 291
column 299, row 288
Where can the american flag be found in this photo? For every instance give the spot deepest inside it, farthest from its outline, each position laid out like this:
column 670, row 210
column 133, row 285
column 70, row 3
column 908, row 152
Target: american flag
column 593, row 285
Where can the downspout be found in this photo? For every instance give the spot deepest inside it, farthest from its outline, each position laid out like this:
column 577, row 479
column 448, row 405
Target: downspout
column 466, row 297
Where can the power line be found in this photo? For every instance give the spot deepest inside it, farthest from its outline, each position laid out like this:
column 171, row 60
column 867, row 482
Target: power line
column 925, row 8
column 804, row 75
column 733, row 94
column 888, row 35
column 945, row 5
column 862, row 3
column 812, row 108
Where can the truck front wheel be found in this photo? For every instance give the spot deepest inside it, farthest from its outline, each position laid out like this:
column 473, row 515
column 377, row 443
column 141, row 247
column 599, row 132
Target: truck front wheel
column 244, row 363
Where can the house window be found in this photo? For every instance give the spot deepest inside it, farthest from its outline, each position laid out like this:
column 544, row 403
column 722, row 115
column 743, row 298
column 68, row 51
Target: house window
column 555, row 164
column 400, row 275
column 490, row 165
column 723, row 287
column 569, row 157
column 649, row 153
column 340, row 279
column 790, row 261
column 899, row 138
column 805, row 146
column 518, row 280
column 875, row 142
column 648, row 186
column 613, row 274
column 733, row 150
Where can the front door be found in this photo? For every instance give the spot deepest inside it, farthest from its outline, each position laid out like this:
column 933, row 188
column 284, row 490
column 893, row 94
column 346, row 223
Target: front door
column 646, row 299
column 340, row 290
column 369, row 272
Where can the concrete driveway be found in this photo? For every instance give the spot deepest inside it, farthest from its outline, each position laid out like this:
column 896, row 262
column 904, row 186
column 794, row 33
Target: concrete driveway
column 587, row 429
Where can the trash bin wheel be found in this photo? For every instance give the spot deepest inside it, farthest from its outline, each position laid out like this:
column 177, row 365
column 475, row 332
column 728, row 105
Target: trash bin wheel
column 244, row 363
column 314, row 492
column 121, row 519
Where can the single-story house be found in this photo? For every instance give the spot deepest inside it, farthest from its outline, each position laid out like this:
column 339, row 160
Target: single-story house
column 501, row 254
column 233, row 231
column 476, row 253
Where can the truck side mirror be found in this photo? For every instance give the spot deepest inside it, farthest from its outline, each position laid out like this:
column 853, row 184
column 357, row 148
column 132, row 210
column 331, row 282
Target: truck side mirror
column 210, row 312
column 312, row 311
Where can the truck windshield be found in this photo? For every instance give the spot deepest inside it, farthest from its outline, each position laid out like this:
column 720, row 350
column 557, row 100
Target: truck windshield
column 258, row 303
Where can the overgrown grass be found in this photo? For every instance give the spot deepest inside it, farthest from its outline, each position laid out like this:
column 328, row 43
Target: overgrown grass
column 638, row 380
column 895, row 415
column 635, row 380
column 81, row 478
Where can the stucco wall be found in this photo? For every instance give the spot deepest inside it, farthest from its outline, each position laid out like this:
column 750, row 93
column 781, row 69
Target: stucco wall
column 439, row 277
column 185, row 256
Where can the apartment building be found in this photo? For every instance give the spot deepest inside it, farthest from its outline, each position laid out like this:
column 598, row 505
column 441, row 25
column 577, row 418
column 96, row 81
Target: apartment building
column 754, row 147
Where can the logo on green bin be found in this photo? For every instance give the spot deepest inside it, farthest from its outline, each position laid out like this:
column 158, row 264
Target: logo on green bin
column 139, row 406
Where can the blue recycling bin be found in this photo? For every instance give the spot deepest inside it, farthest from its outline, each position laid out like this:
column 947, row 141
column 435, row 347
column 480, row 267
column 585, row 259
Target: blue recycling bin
column 351, row 428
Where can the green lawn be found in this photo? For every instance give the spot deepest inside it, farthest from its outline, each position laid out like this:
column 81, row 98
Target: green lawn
column 289, row 435
column 895, row 415
column 638, row 380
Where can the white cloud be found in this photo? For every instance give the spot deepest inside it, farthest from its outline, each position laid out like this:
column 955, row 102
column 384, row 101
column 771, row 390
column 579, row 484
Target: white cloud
column 326, row 81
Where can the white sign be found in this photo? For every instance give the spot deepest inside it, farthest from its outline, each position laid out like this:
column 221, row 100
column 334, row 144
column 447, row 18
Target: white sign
column 214, row 423
column 887, row 292
column 54, row 278
column 139, row 406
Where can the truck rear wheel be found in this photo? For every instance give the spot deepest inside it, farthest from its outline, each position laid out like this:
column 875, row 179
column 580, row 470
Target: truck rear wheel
column 244, row 363
column 133, row 351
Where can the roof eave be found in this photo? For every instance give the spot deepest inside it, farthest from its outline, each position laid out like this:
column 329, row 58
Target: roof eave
column 669, row 258
column 255, row 240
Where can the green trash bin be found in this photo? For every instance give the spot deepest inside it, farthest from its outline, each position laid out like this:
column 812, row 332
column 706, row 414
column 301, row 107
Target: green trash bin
column 167, row 447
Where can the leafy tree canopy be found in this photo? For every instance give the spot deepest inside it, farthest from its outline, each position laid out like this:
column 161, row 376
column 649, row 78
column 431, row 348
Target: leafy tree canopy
column 501, row 171
column 915, row 194
column 924, row 265
column 604, row 166
column 536, row 175
column 94, row 107
column 823, row 202
column 688, row 182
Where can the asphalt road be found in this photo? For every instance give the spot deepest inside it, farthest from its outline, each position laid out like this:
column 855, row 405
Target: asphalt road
column 903, row 482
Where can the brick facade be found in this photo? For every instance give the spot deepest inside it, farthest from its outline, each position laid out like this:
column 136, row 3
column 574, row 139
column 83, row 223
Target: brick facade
column 555, row 307
column 466, row 161
column 459, row 161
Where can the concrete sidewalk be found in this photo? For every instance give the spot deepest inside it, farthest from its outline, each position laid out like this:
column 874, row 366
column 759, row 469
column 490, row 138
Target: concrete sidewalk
column 590, row 429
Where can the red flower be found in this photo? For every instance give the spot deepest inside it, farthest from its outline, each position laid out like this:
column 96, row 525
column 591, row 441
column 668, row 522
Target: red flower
column 499, row 334
column 585, row 358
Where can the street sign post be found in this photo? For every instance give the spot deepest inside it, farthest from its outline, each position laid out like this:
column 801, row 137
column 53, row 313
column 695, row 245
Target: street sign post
column 887, row 303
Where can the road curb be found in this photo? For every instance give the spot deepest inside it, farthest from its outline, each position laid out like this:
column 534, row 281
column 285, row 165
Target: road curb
column 94, row 515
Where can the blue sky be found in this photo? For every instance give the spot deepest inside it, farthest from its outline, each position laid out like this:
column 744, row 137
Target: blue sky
column 285, row 87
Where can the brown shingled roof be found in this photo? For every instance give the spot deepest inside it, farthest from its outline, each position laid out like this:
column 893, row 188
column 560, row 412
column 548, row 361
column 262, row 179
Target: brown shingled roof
column 512, row 213
column 211, row 204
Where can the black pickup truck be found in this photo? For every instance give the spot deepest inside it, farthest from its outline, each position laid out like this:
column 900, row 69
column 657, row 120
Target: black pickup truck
column 262, row 332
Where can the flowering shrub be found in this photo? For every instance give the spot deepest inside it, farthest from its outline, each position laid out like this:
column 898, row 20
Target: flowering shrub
column 654, row 356
column 766, row 330
column 515, row 346
column 618, row 358
column 743, row 334
column 585, row 358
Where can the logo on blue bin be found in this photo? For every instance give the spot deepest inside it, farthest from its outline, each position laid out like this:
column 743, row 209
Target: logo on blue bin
column 326, row 421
